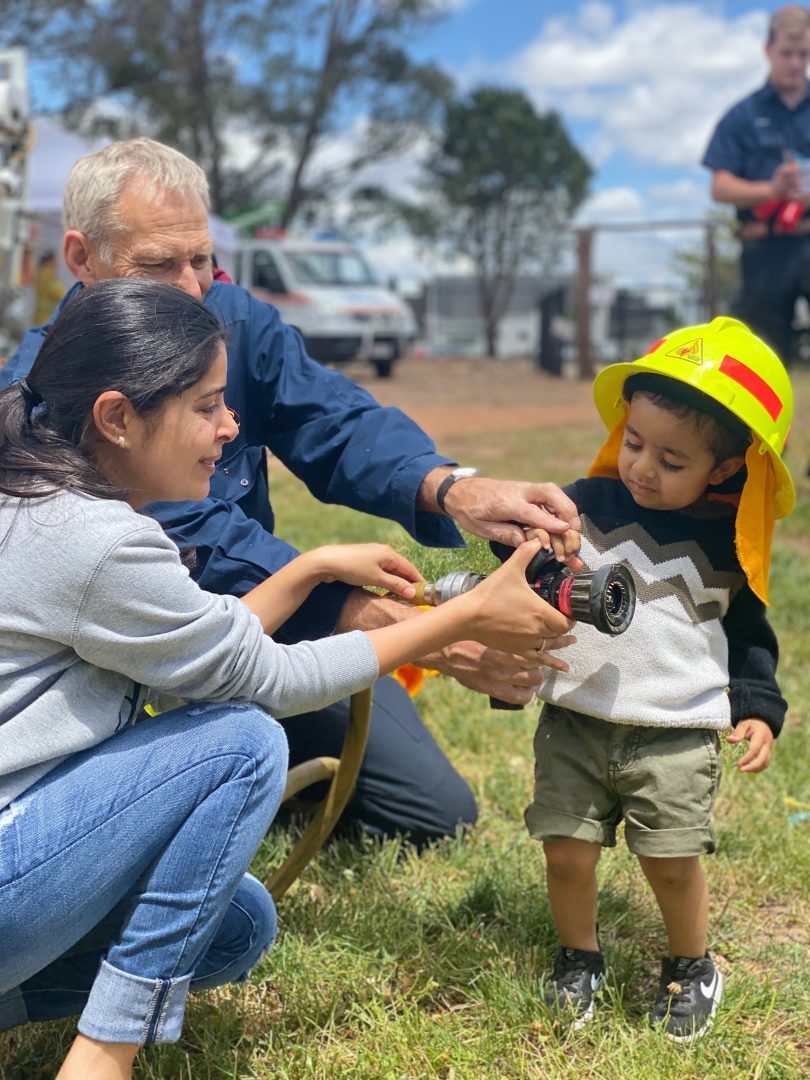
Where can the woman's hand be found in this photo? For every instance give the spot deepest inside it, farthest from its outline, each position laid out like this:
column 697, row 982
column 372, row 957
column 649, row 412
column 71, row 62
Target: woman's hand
column 502, row 612
column 367, row 564
column 357, row 564
column 511, row 617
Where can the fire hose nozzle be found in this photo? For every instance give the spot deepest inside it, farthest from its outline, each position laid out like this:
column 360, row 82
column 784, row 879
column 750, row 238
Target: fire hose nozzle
column 445, row 588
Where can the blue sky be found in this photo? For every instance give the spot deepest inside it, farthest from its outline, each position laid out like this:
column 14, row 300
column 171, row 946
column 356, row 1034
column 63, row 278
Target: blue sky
column 639, row 84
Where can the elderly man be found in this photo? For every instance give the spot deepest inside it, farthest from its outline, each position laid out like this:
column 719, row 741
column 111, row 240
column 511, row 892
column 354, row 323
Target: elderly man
column 138, row 208
column 759, row 155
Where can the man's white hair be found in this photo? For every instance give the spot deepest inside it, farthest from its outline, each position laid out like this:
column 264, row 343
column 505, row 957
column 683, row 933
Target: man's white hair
column 96, row 181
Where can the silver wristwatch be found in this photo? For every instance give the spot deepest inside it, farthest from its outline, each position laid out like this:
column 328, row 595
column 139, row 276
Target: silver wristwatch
column 449, row 480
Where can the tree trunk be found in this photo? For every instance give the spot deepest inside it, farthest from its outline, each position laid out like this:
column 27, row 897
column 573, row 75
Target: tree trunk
column 327, row 80
column 487, row 292
column 200, row 87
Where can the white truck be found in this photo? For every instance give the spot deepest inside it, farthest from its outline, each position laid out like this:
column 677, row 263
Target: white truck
column 328, row 292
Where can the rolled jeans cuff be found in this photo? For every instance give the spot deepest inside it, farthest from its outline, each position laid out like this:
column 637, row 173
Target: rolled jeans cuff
column 129, row 1009
column 12, row 1009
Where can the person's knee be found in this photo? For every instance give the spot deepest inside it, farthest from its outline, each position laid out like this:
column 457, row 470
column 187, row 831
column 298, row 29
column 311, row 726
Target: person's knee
column 671, row 874
column 415, row 814
column 246, row 933
column 250, row 738
column 570, row 859
column 459, row 810
column 257, row 906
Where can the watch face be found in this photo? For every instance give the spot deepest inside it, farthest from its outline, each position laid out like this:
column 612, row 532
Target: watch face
column 449, row 480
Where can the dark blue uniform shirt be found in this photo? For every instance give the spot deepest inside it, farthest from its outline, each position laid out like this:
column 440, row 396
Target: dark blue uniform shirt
column 333, row 435
column 753, row 138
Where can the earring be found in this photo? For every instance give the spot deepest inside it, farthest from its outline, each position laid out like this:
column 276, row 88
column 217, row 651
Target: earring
column 122, row 442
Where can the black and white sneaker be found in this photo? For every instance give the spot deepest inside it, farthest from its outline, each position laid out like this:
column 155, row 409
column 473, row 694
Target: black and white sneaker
column 688, row 996
column 576, row 979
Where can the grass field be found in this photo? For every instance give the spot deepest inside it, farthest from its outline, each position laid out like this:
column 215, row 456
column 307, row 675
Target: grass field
column 392, row 966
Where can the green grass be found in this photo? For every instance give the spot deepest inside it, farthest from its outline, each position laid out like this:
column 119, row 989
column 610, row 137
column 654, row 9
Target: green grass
column 399, row 967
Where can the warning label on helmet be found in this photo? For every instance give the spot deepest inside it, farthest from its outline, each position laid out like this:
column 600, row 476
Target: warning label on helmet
column 690, row 350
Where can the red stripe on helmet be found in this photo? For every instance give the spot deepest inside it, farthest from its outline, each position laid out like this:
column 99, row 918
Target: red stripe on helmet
column 657, row 345
column 753, row 383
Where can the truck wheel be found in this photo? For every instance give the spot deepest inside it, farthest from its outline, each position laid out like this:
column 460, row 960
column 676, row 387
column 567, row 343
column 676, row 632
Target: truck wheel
column 384, row 368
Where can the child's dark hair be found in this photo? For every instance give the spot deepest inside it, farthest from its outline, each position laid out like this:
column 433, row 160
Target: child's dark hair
column 148, row 340
column 725, row 436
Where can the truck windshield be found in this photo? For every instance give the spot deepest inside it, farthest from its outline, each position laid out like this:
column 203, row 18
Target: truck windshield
column 314, row 267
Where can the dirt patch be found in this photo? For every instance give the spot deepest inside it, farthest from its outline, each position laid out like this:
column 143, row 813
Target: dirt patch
column 450, row 397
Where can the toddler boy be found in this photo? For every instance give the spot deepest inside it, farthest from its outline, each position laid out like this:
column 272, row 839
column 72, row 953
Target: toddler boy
column 684, row 492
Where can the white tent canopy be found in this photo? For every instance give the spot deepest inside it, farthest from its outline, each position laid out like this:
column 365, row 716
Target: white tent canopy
column 53, row 155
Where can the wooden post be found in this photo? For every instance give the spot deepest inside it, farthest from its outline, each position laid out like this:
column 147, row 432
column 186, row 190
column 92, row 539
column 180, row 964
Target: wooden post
column 711, row 273
column 584, row 245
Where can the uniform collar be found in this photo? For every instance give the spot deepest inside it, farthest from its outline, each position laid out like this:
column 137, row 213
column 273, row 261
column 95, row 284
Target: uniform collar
column 769, row 95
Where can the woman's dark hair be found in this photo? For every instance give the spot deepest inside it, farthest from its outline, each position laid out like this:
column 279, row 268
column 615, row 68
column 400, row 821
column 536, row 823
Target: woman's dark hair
column 148, row 340
column 725, row 436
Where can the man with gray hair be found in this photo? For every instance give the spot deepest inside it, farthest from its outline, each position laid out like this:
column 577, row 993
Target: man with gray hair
column 759, row 155
column 138, row 208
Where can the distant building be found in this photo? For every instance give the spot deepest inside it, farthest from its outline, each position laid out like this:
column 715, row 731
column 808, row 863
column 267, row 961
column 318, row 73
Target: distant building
column 637, row 319
column 540, row 321
column 449, row 316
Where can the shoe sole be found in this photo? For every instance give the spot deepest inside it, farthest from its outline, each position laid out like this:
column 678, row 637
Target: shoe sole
column 583, row 1019
column 717, row 997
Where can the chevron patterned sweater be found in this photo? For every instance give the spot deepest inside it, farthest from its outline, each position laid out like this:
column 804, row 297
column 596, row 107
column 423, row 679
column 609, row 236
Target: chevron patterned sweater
column 699, row 651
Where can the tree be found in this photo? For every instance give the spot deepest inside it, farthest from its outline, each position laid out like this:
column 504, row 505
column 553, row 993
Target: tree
column 502, row 179
column 165, row 68
column 281, row 76
column 350, row 63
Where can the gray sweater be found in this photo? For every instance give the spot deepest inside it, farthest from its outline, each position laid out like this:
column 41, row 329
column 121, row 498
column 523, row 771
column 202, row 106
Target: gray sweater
column 97, row 613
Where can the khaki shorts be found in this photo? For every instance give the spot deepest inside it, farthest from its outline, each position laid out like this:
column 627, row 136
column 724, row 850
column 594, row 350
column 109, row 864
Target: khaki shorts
column 590, row 774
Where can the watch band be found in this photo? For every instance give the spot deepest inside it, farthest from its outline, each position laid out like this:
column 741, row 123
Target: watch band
column 449, row 480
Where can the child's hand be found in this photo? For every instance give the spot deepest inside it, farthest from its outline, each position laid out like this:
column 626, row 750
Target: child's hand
column 367, row 564
column 564, row 545
column 760, row 740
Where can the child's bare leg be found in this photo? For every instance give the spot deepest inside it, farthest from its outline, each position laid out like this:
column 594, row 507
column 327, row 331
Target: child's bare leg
column 572, row 891
column 682, row 895
column 89, row 1059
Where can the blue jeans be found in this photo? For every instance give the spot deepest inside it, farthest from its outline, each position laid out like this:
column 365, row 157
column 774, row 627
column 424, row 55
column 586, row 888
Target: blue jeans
column 123, row 873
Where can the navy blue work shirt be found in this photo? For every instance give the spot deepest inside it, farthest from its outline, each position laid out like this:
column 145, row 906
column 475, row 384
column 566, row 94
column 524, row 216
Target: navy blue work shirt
column 753, row 138
column 346, row 447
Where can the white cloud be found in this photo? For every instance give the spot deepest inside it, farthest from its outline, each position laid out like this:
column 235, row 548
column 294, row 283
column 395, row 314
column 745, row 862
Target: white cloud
column 399, row 259
column 596, row 18
column 640, row 259
column 612, row 204
column 677, row 196
column 477, row 70
column 654, row 85
column 334, row 153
